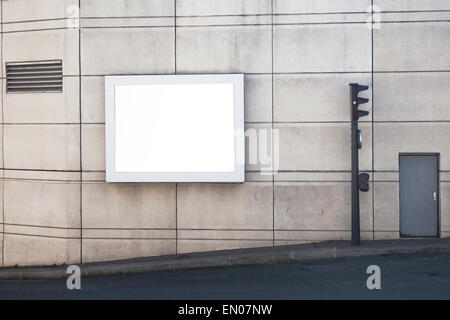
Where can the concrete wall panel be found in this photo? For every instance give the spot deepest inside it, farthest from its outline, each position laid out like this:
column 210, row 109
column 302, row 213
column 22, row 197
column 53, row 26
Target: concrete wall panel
column 445, row 206
column 318, row 207
column 222, row 7
column 114, row 249
column 387, row 235
column 320, row 147
column 316, row 97
column 1, row 247
column 128, row 8
column 43, row 45
column 21, row 250
column 1, row 223
column 225, row 206
column 128, row 205
column 2, row 162
column 228, row 49
column 93, row 147
column 322, row 48
column 394, row 138
column 412, row 96
column 412, row 5
column 25, row 10
column 319, row 6
column 298, row 237
column 45, row 204
column 258, row 98
column 199, row 245
column 386, row 216
column 130, row 51
column 426, row 45
column 46, row 107
column 43, row 147
column 93, row 99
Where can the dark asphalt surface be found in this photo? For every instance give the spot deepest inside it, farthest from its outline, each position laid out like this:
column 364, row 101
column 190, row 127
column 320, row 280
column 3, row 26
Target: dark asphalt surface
column 411, row 276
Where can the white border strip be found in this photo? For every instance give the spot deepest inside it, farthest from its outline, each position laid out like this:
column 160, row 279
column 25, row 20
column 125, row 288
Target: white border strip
column 238, row 175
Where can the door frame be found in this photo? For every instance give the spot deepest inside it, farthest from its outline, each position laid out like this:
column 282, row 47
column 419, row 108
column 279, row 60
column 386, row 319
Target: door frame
column 438, row 156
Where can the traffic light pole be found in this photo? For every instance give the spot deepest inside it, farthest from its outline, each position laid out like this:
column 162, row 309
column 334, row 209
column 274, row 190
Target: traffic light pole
column 355, row 189
column 359, row 182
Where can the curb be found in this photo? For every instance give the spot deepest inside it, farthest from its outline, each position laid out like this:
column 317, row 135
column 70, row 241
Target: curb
column 236, row 257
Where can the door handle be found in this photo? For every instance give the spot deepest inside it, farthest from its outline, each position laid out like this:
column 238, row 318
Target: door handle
column 435, row 196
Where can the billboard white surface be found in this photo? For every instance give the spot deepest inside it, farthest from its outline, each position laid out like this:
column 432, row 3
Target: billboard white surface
column 175, row 128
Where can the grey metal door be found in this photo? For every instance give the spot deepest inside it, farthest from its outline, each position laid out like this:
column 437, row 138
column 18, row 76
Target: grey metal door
column 419, row 195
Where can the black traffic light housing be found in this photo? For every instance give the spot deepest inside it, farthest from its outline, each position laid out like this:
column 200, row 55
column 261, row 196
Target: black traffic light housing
column 356, row 101
column 363, row 182
column 360, row 139
column 360, row 182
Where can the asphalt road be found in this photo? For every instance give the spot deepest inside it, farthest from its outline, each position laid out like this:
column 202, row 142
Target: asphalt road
column 412, row 276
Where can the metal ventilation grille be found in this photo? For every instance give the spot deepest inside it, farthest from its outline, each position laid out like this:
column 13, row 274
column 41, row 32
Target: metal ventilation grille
column 35, row 76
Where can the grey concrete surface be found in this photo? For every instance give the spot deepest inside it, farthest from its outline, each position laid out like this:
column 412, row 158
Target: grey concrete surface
column 409, row 276
column 298, row 58
column 235, row 257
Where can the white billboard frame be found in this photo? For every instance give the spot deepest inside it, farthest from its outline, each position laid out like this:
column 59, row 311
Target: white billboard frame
column 236, row 175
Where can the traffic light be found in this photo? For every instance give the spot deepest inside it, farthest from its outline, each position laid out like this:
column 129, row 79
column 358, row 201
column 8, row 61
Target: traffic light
column 356, row 101
column 363, row 182
column 360, row 139
column 360, row 182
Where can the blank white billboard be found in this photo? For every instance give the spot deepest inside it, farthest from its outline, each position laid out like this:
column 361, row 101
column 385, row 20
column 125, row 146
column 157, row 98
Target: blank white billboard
column 175, row 128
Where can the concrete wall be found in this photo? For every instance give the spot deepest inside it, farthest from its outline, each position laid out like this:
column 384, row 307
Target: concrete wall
column 298, row 58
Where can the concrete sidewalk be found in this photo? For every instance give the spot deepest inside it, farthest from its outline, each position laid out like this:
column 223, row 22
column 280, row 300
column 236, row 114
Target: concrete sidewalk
column 264, row 255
